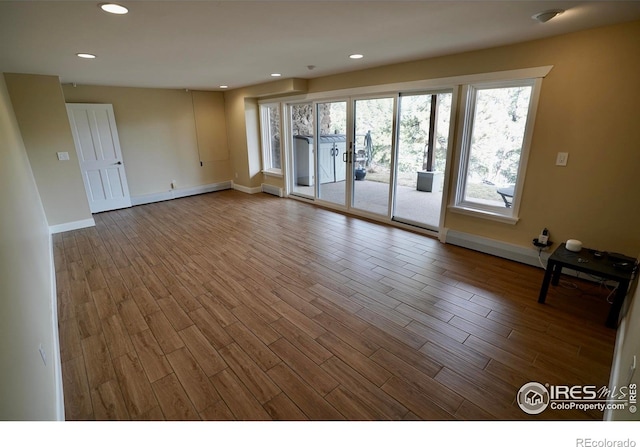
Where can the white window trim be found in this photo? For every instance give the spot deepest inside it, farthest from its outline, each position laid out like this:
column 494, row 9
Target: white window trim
column 483, row 213
column 496, row 213
column 453, row 83
column 273, row 172
column 265, row 143
column 443, row 83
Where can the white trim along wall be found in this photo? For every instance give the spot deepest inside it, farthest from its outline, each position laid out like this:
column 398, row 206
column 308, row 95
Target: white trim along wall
column 181, row 192
column 70, row 226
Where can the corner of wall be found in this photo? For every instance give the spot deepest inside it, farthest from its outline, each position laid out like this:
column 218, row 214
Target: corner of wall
column 31, row 385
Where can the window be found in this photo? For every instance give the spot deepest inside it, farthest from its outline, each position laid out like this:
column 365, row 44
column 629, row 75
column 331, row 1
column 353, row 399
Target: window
column 495, row 140
column 271, row 141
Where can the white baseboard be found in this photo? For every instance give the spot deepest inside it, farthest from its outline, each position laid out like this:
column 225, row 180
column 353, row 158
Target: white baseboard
column 246, row 189
column 274, row 190
column 182, row 192
column 144, row 199
column 518, row 253
column 56, row 359
column 70, row 226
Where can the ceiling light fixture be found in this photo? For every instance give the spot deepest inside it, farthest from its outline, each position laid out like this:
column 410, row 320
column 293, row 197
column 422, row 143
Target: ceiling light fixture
column 275, row 75
column 356, row 56
column 86, row 55
column 113, row 8
column 545, row 16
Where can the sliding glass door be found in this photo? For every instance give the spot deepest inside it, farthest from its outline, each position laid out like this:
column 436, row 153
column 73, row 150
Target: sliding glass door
column 372, row 154
column 379, row 156
column 423, row 139
column 331, row 152
column 303, row 165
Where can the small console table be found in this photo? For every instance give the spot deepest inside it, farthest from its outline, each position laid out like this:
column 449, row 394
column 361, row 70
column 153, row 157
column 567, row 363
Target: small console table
column 600, row 264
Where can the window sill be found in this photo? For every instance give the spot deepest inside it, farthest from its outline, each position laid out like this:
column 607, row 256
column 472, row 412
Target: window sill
column 273, row 173
column 484, row 214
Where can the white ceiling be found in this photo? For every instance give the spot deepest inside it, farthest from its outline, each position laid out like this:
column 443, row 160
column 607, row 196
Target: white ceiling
column 203, row 44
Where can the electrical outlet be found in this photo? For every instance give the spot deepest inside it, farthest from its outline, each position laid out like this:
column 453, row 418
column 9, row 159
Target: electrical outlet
column 561, row 158
column 542, row 242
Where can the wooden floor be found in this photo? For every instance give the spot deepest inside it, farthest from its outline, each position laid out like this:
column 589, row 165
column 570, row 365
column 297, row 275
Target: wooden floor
column 235, row 306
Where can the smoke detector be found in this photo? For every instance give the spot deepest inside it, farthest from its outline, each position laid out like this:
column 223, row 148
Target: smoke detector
column 545, row 16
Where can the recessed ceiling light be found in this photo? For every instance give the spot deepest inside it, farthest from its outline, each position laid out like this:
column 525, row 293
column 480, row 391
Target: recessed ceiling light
column 113, row 8
column 275, row 75
column 356, row 56
column 86, row 55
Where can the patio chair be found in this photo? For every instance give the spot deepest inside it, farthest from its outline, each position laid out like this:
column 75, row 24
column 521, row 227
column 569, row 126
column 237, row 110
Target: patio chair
column 507, row 195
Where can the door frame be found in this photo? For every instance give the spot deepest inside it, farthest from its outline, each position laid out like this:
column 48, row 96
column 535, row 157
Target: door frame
column 454, row 91
column 393, row 160
column 345, row 206
column 447, row 85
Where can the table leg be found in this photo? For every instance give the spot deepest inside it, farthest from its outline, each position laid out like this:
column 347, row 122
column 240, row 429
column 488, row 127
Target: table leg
column 616, row 306
column 557, row 269
column 545, row 281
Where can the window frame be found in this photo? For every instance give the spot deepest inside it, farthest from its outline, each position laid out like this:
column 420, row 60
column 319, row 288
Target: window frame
column 469, row 94
column 265, row 134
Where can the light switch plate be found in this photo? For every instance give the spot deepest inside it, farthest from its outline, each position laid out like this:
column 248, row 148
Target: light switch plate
column 63, row 156
column 561, row 159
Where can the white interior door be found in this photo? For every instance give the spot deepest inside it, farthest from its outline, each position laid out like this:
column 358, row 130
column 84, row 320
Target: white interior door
column 98, row 147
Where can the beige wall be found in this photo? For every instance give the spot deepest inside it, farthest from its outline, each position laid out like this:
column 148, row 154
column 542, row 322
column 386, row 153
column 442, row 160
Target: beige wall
column 243, row 127
column 157, row 130
column 588, row 108
column 27, row 385
column 211, row 126
column 237, row 137
column 44, row 125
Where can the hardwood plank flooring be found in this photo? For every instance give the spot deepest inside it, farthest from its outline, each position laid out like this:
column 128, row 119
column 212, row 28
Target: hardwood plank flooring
column 228, row 306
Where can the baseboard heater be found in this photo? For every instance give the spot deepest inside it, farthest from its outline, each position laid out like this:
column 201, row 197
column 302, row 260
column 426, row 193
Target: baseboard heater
column 270, row 189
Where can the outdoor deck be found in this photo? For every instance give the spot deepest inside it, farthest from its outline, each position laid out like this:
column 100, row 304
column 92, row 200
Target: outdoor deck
column 411, row 204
